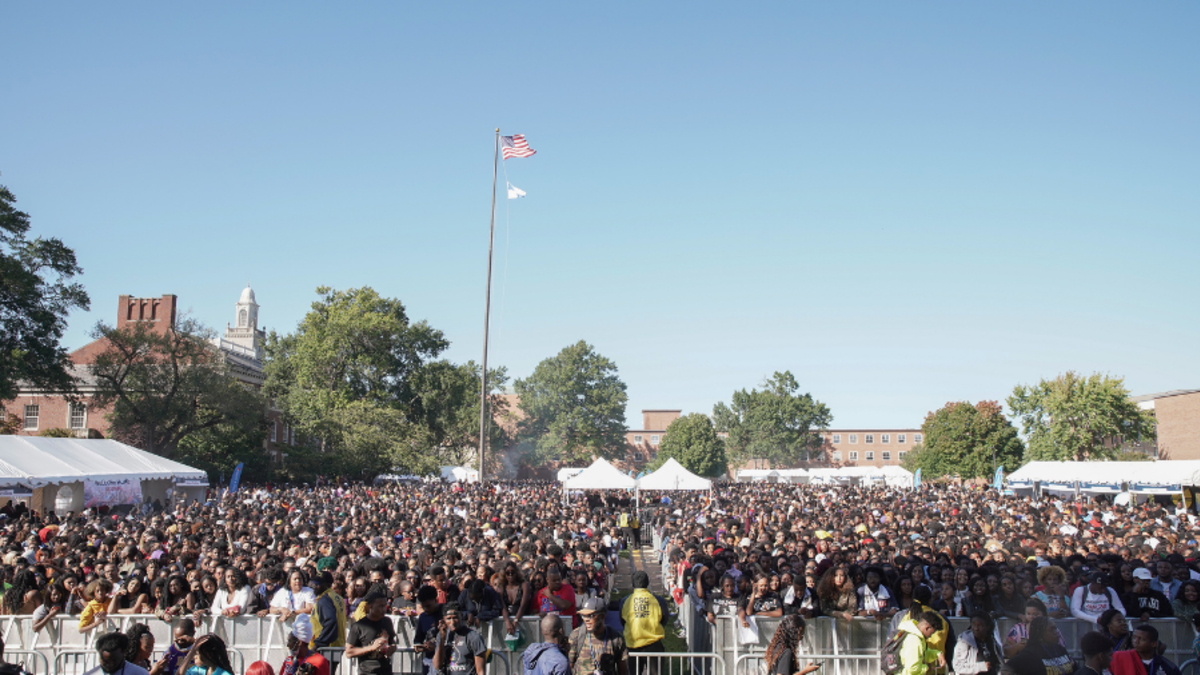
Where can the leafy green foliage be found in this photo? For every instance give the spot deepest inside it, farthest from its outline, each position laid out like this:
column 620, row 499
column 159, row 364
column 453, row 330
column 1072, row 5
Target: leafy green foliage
column 9, row 424
column 960, row 439
column 56, row 432
column 355, row 378
column 1073, row 417
column 574, row 407
column 447, row 404
column 217, row 450
column 774, row 422
column 35, row 297
column 161, row 387
column 692, row 441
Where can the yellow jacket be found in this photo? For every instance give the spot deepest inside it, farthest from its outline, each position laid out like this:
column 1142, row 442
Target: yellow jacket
column 643, row 619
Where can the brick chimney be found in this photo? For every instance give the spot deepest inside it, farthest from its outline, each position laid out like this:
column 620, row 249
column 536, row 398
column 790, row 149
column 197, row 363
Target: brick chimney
column 158, row 312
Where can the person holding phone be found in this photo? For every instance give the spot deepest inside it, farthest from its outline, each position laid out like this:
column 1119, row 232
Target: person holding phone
column 372, row 639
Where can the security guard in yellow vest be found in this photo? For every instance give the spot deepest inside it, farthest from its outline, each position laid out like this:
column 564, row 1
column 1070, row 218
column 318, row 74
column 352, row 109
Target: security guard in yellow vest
column 328, row 615
column 643, row 615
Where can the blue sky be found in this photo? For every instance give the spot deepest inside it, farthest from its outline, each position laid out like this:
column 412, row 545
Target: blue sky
column 902, row 203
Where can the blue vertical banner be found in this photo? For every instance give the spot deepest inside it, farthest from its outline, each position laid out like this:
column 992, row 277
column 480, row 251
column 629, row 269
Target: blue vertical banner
column 998, row 481
column 917, row 479
column 237, row 477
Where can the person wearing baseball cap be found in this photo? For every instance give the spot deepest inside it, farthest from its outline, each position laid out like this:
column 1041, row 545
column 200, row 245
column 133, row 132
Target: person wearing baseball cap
column 1145, row 602
column 596, row 649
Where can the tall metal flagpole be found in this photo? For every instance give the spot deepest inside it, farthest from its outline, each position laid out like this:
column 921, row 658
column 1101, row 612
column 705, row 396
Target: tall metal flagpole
column 487, row 310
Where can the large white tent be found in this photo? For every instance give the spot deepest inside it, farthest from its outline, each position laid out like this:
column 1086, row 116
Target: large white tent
column 460, row 474
column 673, row 476
column 1160, row 477
column 60, row 470
column 600, row 476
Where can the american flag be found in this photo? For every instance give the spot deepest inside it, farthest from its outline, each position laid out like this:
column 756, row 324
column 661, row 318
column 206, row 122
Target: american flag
column 516, row 146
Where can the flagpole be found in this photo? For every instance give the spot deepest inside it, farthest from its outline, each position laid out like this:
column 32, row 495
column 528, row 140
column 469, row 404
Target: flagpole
column 487, row 310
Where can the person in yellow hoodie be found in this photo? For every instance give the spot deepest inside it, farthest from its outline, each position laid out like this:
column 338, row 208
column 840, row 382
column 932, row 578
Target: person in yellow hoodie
column 916, row 656
column 942, row 641
column 643, row 614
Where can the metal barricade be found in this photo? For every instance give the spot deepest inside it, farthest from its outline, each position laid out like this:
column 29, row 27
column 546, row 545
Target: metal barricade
column 75, row 661
column 29, row 659
column 752, row 664
column 674, row 663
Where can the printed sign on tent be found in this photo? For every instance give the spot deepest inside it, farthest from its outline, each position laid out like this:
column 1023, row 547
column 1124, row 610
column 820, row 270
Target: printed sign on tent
column 112, row 492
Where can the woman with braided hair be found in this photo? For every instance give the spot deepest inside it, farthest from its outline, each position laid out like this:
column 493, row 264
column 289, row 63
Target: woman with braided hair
column 23, row 597
column 781, row 657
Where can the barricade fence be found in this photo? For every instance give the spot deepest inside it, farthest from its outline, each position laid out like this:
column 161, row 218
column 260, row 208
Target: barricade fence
column 850, row 647
column 853, row 647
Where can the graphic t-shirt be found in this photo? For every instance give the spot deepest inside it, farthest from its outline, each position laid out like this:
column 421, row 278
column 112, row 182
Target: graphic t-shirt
column 465, row 645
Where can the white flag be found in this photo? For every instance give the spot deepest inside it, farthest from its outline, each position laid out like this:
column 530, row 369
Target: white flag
column 515, row 192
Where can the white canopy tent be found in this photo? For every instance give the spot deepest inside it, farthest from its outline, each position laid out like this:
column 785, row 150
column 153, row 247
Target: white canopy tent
column 567, row 473
column 1146, row 478
column 599, row 476
column 757, row 476
column 60, row 470
column 891, row 476
column 672, row 476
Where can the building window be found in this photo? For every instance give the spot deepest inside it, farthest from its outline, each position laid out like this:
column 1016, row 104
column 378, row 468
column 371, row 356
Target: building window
column 31, row 417
column 837, row 455
column 870, row 456
column 853, row 438
column 837, row 438
column 853, row 455
column 654, row 440
column 916, row 439
column 899, row 438
column 902, row 454
column 274, row 430
column 887, row 456
column 885, row 438
column 78, row 413
column 637, row 438
column 870, row 438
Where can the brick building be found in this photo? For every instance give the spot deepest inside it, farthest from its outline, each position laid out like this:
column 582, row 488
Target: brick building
column 641, row 445
column 868, row 447
column 1177, row 416
column 241, row 346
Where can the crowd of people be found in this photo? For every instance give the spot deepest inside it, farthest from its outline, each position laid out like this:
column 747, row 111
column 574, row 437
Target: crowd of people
column 915, row 559
column 337, row 561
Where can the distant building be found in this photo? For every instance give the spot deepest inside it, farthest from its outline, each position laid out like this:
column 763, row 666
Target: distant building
column 868, row 447
column 641, row 445
column 241, row 346
column 1177, row 417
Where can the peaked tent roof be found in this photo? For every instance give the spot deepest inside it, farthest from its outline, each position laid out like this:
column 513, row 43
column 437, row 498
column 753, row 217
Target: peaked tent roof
column 34, row 461
column 600, row 476
column 672, row 476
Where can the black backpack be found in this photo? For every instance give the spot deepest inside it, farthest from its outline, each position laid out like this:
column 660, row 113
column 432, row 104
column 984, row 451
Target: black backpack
column 889, row 658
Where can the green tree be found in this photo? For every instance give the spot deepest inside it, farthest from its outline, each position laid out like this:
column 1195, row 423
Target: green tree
column 350, row 379
column 36, row 295
column 1074, row 417
column 574, row 406
column 692, row 441
column 161, row 387
column 963, row 439
column 56, row 432
column 217, row 450
column 774, row 422
column 447, row 404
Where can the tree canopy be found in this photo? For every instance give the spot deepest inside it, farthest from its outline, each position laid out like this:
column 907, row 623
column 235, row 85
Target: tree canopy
column 358, row 378
column 574, row 407
column 1076, row 417
column 36, row 294
column 959, row 439
column 774, row 422
column 692, row 441
column 162, row 387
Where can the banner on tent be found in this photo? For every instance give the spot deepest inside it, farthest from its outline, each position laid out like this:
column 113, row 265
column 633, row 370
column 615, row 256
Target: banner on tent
column 16, row 492
column 191, row 481
column 112, row 492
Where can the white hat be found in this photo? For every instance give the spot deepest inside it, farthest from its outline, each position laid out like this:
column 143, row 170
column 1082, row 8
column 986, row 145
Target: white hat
column 303, row 629
column 1142, row 573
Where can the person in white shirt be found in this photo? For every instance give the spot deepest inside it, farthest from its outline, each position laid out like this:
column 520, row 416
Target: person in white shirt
column 294, row 598
column 1091, row 600
column 234, row 596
